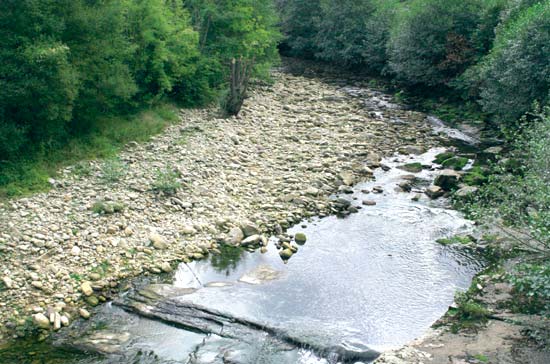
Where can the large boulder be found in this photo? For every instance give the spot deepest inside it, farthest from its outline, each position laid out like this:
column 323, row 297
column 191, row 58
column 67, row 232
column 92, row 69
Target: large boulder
column 447, row 179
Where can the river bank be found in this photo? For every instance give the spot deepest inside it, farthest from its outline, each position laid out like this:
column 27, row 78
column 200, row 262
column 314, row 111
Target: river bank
column 295, row 143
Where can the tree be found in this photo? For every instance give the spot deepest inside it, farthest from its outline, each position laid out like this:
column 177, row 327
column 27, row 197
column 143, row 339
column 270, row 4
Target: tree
column 432, row 41
column 300, row 21
column 517, row 71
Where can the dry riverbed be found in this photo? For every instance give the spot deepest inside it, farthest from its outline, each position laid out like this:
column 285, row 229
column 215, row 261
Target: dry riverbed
column 295, row 143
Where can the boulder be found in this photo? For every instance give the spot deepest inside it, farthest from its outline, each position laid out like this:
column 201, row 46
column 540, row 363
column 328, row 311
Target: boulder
column 447, row 179
column 434, row 192
column 286, row 254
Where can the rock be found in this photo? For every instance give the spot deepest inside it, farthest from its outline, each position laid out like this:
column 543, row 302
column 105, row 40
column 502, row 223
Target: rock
column 406, row 186
column 369, row 203
column 300, row 238
column 434, row 192
column 65, row 320
column 75, row 250
column 158, row 241
column 348, row 178
column 416, row 197
column 312, row 191
column 412, row 149
column 41, row 321
column 86, row 289
column 493, row 150
column 447, row 179
column 94, row 276
column 166, row 267
column 412, row 167
column 456, row 163
column 56, row 321
column 84, row 313
column 466, row 191
column 8, row 282
column 286, row 254
column 188, row 230
column 260, row 274
column 373, row 160
column 252, row 240
column 249, row 229
column 235, row 235
column 37, row 284
column 92, row 301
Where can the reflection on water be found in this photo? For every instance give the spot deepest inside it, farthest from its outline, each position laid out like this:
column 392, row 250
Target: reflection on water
column 228, row 259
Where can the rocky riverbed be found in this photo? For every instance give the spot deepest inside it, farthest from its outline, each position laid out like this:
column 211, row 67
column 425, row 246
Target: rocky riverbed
column 203, row 181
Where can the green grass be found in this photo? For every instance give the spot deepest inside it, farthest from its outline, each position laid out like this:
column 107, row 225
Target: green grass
column 29, row 175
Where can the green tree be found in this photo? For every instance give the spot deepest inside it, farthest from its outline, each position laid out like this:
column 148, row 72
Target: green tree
column 517, row 71
column 300, row 22
column 432, row 41
column 38, row 84
column 166, row 46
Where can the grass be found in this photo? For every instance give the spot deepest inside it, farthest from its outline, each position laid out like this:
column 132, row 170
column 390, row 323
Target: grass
column 166, row 181
column 30, row 175
column 107, row 208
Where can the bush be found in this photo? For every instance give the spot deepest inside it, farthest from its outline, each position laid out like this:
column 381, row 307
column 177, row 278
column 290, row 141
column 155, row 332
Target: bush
column 113, row 170
column 433, row 41
column 517, row 71
column 166, row 182
column 532, row 285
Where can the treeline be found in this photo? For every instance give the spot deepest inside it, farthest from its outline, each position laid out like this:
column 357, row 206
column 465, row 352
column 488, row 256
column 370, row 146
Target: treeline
column 494, row 52
column 66, row 63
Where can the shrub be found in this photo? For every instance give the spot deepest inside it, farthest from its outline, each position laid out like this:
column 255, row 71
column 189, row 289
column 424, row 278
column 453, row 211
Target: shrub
column 532, row 285
column 517, row 71
column 113, row 170
column 107, row 208
column 166, row 182
column 432, row 41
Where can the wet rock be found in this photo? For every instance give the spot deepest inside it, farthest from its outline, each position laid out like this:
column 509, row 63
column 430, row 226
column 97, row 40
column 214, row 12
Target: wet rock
column 260, row 275
column 286, row 254
column 406, row 186
column 412, row 149
column 84, row 313
column 92, row 301
column 347, row 178
column 252, row 240
column 412, row 167
column 369, row 203
column 300, row 238
column 434, row 192
column 104, row 342
column 447, row 179
column 493, row 150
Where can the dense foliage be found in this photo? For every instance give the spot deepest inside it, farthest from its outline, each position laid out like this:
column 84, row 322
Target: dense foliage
column 67, row 66
column 493, row 52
